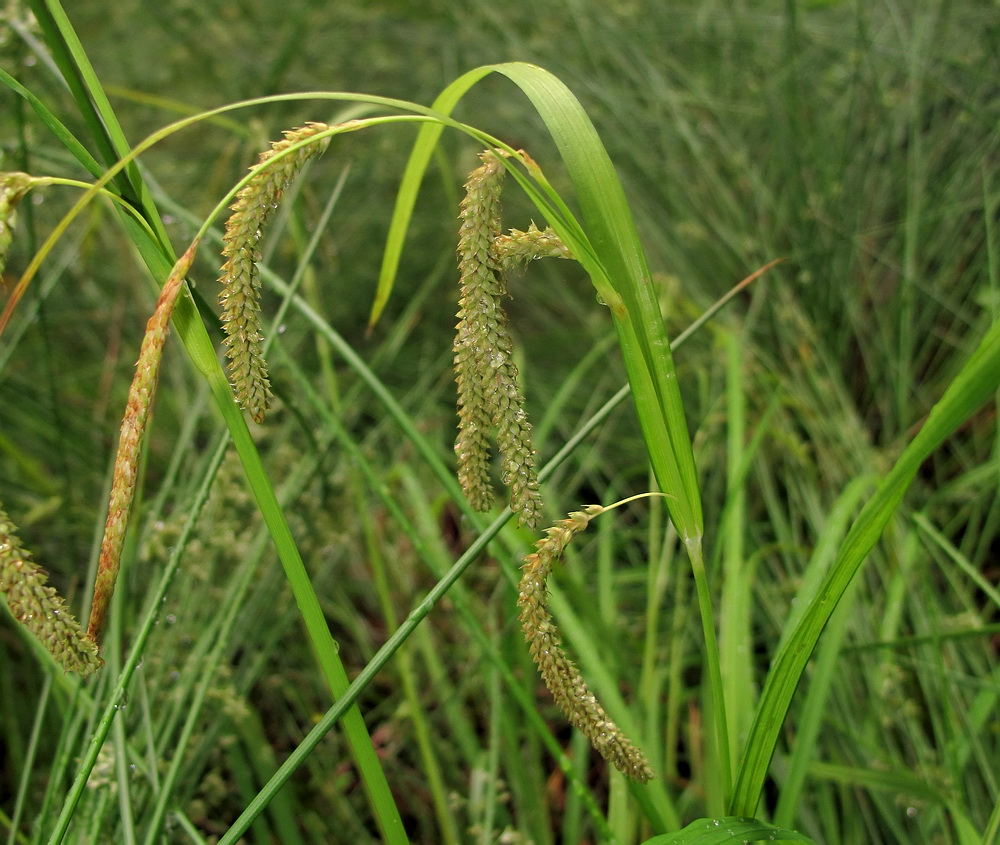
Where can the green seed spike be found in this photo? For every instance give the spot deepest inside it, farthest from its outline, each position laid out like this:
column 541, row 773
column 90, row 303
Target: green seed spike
column 489, row 394
column 481, row 281
column 560, row 674
column 39, row 607
column 13, row 187
column 521, row 247
column 240, row 296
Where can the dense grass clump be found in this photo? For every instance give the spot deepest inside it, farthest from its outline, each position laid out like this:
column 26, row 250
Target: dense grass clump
column 318, row 629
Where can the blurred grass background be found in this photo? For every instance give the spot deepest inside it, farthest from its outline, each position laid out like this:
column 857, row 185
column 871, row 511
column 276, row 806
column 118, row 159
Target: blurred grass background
column 859, row 141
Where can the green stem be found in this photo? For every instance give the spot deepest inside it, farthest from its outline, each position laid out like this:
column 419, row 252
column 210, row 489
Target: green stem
column 719, row 800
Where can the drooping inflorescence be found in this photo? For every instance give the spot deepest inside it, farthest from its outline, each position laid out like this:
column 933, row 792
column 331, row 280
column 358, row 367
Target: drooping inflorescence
column 479, row 316
column 240, row 296
column 39, row 607
column 560, row 674
column 489, row 394
column 133, row 428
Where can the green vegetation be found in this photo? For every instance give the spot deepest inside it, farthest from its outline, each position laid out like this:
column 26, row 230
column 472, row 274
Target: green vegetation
column 314, row 637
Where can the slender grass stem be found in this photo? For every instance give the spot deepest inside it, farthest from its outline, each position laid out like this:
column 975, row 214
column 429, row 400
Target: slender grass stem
column 716, row 698
column 118, row 694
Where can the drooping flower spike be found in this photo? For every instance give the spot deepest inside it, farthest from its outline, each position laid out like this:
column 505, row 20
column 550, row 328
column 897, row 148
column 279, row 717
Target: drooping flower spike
column 240, row 296
column 561, row 676
column 39, row 607
column 489, row 393
column 13, row 187
column 140, row 398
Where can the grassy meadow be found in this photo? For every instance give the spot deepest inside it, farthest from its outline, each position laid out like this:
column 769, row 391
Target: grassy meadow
column 268, row 566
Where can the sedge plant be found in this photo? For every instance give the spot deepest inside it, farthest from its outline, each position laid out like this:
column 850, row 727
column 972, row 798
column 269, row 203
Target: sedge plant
column 603, row 239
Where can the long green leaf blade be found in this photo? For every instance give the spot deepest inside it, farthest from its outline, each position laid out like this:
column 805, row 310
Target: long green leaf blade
column 56, row 126
column 726, row 829
column 977, row 381
column 611, row 228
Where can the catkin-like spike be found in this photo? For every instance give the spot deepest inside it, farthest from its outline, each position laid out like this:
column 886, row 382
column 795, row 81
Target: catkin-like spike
column 517, row 457
column 521, row 247
column 140, row 397
column 13, row 186
column 487, row 377
column 39, row 608
column 240, row 297
column 559, row 673
column 480, row 281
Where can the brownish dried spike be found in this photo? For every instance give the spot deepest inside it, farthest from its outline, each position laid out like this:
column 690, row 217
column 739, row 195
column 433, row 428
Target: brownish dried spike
column 140, row 397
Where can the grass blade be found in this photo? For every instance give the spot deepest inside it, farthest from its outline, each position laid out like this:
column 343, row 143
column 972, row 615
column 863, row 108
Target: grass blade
column 55, row 126
column 977, row 381
column 726, row 829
